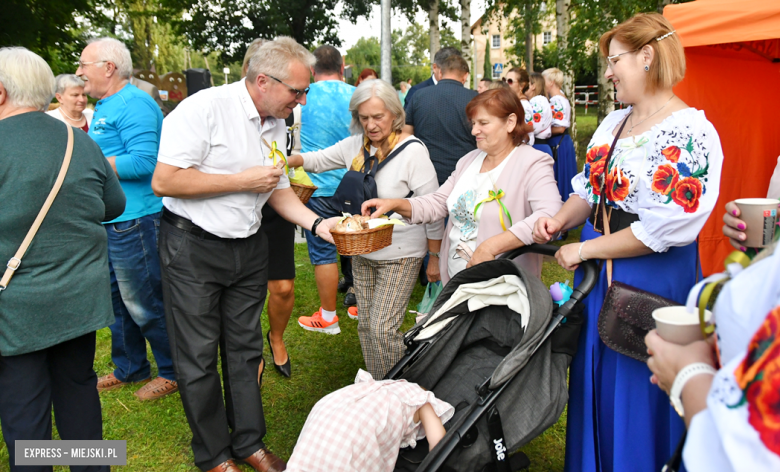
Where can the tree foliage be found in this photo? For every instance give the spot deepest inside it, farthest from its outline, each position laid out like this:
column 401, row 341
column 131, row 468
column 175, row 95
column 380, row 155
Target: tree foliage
column 228, row 26
column 46, row 27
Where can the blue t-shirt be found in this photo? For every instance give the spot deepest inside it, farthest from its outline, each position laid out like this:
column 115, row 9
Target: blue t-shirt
column 128, row 125
column 325, row 121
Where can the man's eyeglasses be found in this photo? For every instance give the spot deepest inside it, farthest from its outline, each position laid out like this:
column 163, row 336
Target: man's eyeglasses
column 84, row 64
column 298, row 93
column 612, row 59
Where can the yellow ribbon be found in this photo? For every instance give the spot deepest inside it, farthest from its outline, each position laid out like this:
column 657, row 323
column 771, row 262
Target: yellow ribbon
column 737, row 257
column 277, row 155
column 497, row 196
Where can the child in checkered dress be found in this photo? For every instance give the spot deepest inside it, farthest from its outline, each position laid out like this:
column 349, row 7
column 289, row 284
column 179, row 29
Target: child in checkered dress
column 361, row 427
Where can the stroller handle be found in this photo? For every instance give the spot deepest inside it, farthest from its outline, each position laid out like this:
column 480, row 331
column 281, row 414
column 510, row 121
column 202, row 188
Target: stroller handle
column 590, row 269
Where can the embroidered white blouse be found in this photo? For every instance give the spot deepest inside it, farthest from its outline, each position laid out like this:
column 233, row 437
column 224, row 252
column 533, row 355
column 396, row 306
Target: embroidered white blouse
column 669, row 176
column 561, row 111
column 541, row 117
column 739, row 430
column 529, row 118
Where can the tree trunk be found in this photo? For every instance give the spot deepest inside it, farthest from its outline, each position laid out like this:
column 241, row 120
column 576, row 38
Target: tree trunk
column 661, row 4
column 465, row 28
column 606, row 91
column 562, row 22
column 386, row 71
column 433, row 23
column 529, row 41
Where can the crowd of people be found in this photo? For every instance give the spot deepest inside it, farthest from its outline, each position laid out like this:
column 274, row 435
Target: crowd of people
column 174, row 229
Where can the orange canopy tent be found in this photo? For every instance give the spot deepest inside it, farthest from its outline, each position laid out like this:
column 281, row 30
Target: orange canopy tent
column 732, row 51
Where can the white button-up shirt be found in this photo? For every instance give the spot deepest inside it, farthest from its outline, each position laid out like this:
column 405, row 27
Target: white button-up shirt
column 219, row 131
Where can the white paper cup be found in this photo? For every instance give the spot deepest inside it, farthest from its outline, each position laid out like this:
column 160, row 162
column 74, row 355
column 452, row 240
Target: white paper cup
column 675, row 325
column 760, row 216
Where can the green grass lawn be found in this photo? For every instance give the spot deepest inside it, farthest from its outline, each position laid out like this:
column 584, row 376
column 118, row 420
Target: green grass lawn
column 157, row 433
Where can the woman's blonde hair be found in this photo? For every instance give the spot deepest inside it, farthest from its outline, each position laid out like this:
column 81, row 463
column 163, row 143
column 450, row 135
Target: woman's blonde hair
column 651, row 29
column 538, row 81
column 554, row 75
column 382, row 90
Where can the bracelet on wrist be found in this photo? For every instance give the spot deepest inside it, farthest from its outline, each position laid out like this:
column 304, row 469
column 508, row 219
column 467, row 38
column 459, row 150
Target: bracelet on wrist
column 686, row 374
column 579, row 251
column 433, row 254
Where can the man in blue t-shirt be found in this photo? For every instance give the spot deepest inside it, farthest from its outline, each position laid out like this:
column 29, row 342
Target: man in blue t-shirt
column 126, row 125
column 325, row 121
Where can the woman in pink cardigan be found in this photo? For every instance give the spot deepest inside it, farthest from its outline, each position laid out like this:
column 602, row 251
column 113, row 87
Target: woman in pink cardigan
column 495, row 195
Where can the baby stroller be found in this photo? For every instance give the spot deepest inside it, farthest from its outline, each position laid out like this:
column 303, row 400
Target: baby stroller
column 506, row 377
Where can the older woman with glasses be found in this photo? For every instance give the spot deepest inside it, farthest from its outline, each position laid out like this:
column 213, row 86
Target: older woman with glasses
column 61, row 293
column 73, row 110
column 384, row 279
column 650, row 182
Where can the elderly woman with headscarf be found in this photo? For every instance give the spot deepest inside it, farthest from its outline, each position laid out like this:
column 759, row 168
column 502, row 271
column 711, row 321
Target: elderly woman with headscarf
column 384, row 279
column 73, row 110
column 60, row 293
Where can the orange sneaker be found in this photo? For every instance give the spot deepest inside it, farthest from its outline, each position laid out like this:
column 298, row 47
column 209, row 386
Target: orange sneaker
column 352, row 312
column 315, row 322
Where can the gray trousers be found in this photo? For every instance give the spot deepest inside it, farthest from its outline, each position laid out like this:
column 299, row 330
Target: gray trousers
column 214, row 291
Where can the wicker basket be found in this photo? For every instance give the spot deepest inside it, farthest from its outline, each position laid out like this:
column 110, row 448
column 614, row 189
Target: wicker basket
column 304, row 192
column 363, row 242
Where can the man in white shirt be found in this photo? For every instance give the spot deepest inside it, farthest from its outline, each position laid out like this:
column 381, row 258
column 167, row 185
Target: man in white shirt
column 216, row 170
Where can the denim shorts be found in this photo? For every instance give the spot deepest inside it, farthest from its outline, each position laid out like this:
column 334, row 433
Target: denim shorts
column 321, row 252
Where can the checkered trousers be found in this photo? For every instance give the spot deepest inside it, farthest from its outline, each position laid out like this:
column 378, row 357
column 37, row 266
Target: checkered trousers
column 383, row 289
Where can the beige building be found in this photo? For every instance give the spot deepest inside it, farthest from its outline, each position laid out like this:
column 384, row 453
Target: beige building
column 501, row 57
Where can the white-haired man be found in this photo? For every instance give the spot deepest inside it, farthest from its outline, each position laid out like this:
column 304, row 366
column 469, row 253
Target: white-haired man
column 216, row 170
column 127, row 125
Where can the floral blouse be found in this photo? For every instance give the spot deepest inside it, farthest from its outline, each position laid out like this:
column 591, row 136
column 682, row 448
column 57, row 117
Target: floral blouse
column 561, row 111
column 541, row 117
column 529, row 118
column 669, row 176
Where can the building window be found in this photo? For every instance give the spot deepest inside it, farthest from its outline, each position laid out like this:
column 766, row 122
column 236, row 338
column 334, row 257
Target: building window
column 547, row 37
column 496, row 41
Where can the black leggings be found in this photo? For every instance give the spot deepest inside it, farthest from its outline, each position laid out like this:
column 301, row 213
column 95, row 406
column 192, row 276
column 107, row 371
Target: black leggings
column 61, row 375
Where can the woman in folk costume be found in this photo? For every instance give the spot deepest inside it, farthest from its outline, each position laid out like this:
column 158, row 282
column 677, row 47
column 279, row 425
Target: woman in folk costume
column 560, row 141
column 656, row 165
column 541, row 114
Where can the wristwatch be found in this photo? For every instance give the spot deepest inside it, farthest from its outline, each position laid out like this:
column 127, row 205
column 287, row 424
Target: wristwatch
column 433, row 254
column 686, row 374
column 314, row 226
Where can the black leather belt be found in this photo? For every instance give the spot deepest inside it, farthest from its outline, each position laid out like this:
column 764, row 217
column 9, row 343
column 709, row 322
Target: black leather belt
column 618, row 219
column 540, row 141
column 186, row 225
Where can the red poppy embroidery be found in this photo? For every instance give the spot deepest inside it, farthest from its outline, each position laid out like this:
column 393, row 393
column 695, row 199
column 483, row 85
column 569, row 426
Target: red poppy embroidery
column 596, row 169
column 596, row 153
column 537, row 117
column 617, row 188
column 687, row 193
column 672, row 153
column 558, row 115
column 665, row 179
column 759, row 377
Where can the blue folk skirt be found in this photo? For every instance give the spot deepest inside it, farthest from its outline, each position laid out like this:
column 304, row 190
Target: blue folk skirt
column 617, row 420
column 565, row 167
column 543, row 147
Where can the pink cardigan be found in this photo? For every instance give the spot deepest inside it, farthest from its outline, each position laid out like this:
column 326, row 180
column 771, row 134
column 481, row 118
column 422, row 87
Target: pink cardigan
column 531, row 192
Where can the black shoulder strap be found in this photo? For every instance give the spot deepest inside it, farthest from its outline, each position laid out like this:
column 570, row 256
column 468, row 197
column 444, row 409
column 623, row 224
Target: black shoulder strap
column 395, row 152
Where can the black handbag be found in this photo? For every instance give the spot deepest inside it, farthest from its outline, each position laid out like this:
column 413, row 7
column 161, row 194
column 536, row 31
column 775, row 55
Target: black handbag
column 357, row 186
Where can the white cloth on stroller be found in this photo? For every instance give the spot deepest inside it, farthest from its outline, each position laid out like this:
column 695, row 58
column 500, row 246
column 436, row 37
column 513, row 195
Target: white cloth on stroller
column 506, row 290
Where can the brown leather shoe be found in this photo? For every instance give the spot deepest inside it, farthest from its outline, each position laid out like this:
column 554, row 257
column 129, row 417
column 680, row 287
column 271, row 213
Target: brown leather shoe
column 110, row 382
column 227, row 466
column 156, row 389
column 265, row 461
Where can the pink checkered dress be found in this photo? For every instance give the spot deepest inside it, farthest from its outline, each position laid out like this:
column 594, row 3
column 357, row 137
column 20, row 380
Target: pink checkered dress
column 361, row 427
